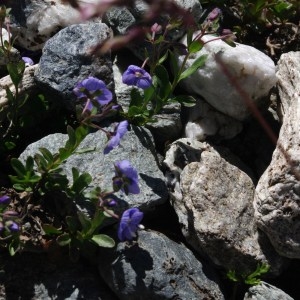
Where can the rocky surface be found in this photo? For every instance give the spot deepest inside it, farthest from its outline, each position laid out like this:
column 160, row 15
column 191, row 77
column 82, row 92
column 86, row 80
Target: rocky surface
column 34, row 22
column 27, row 87
column 155, row 267
column 277, row 194
column 211, row 189
column 67, row 59
column 249, row 66
column 204, row 121
column 288, row 81
column 265, row 291
column 121, row 19
column 213, row 201
column 137, row 146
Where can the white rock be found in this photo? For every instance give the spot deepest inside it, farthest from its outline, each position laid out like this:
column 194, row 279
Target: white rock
column 204, row 120
column 254, row 72
column 42, row 20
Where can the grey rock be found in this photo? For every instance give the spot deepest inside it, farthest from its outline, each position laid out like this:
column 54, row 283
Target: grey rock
column 155, row 267
column 253, row 71
column 136, row 146
column 35, row 276
column 66, row 60
column 277, row 196
column 288, row 80
column 266, row 291
column 33, row 22
column 213, row 201
column 121, row 19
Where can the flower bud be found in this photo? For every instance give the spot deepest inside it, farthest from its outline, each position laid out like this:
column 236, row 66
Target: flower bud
column 214, row 14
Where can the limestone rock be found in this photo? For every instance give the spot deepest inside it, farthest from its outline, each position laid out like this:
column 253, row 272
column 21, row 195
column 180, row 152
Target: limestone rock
column 204, row 120
column 288, row 75
column 136, row 146
column 213, row 201
column 27, row 85
column 35, row 21
column 277, row 197
column 266, row 291
column 254, row 72
column 66, row 61
column 155, row 267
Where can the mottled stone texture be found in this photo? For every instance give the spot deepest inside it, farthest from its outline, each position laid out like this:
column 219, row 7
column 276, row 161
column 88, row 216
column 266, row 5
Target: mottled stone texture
column 277, row 197
column 213, row 201
column 288, row 74
column 155, row 267
column 67, row 59
column 265, row 291
column 137, row 147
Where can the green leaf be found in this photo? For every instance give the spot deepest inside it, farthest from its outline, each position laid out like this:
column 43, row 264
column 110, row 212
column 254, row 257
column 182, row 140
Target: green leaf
column 14, row 246
column 185, row 100
column 163, row 81
column 72, row 223
column 81, row 182
column 195, row 46
column 232, row 276
column 9, row 145
column 84, row 221
column 103, row 240
column 70, row 144
column 136, row 98
column 50, row 229
column 80, row 133
column 134, row 111
column 47, row 154
column 174, row 63
column 10, row 96
column 64, row 154
column 16, row 71
column 199, row 62
column 64, row 239
column 18, row 167
column 163, row 58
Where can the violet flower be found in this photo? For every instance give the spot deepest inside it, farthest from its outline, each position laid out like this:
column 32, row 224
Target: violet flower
column 4, row 199
column 93, row 89
column 129, row 224
column 114, row 141
column 137, row 76
column 126, row 178
column 28, row 61
column 214, row 14
column 13, row 226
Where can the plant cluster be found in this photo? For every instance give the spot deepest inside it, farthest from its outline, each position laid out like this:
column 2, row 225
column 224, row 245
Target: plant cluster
column 41, row 176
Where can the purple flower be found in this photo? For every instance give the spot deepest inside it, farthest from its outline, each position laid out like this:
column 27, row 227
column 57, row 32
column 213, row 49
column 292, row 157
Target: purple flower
column 114, row 141
column 129, row 224
column 13, row 226
column 93, row 89
column 126, row 178
column 4, row 199
column 214, row 14
column 137, row 76
column 28, row 61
